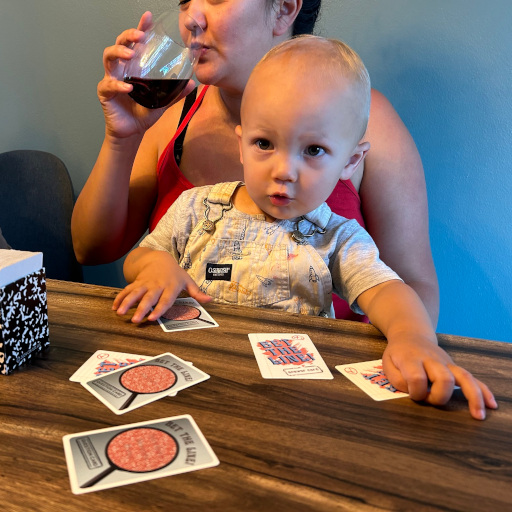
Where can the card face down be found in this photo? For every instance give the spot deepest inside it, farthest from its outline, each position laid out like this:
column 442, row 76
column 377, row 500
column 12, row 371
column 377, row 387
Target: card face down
column 115, row 456
column 186, row 314
column 369, row 376
column 288, row 356
column 141, row 383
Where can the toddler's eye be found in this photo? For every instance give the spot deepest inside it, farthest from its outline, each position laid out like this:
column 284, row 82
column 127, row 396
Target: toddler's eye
column 315, row 151
column 263, row 144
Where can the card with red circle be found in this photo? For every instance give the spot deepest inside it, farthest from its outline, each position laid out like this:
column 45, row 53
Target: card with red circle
column 141, row 383
column 186, row 314
column 122, row 455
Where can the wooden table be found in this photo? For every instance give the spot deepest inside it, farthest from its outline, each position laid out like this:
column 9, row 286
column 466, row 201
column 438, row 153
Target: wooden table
column 316, row 445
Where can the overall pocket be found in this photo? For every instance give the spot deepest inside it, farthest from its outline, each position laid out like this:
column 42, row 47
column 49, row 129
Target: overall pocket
column 244, row 273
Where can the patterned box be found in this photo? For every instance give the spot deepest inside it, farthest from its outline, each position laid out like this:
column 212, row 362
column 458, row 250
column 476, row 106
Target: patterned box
column 23, row 308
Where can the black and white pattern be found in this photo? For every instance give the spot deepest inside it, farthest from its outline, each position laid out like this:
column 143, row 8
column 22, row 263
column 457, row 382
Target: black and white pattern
column 23, row 321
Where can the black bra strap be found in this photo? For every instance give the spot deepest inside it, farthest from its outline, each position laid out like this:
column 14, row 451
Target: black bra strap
column 178, row 143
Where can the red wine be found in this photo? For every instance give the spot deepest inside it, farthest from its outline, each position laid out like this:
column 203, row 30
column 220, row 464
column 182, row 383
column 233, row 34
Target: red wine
column 155, row 93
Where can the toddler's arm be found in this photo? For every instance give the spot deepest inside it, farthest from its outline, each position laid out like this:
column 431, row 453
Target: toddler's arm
column 156, row 278
column 413, row 361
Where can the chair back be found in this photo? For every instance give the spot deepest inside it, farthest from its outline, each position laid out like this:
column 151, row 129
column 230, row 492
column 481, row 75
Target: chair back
column 36, row 203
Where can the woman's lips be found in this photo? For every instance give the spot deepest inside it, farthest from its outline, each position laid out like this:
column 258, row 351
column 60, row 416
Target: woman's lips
column 199, row 50
column 278, row 200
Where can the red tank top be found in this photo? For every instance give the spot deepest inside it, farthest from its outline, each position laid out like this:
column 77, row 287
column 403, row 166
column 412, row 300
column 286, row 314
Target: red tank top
column 344, row 199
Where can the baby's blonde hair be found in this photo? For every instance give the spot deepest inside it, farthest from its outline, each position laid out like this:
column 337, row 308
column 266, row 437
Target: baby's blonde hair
column 328, row 58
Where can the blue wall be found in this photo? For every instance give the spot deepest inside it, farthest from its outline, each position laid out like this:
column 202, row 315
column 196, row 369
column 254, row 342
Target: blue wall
column 446, row 66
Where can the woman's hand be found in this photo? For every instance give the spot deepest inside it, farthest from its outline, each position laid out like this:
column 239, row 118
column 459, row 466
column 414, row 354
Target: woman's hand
column 123, row 116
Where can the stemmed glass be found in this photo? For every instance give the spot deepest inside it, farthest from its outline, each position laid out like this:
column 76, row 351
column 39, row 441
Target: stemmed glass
column 164, row 62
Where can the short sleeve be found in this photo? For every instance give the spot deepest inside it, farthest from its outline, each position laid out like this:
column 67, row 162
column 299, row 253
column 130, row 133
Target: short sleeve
column 173, row 229
column 357, row 266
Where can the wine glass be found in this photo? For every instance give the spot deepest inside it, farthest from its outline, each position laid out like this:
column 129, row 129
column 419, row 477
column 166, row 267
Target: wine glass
column 164, row 62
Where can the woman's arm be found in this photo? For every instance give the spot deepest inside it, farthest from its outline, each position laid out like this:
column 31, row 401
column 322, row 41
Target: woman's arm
column 394, row 202
column 113, row 209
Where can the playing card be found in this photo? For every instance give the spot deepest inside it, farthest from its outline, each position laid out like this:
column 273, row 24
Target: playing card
column 104, row 361
column 141, row 383
column 110, row 457
column 288, row 356
column 186, row 314
column 370, row 377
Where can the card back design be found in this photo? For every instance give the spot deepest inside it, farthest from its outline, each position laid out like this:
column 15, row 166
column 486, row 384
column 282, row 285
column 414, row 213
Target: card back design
column 103, row 362
column 369, row 376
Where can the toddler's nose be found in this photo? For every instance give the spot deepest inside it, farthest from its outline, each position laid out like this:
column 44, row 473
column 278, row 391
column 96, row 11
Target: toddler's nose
column 285, row 169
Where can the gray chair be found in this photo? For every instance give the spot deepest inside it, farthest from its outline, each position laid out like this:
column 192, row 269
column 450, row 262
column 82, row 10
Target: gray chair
column 36, row 202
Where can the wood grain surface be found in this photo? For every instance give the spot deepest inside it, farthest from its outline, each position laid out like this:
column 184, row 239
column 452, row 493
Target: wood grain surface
column 305, row 445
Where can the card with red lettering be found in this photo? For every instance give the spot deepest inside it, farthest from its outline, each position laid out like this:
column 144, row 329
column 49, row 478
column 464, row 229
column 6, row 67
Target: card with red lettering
column 104, row 361
column 122, row 455
column 288, row 356
column 370, row 377
column 141, row 383
column 186, row 314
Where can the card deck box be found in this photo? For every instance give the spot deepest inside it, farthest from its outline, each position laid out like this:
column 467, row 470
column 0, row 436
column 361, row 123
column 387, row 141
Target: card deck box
column 23, row 308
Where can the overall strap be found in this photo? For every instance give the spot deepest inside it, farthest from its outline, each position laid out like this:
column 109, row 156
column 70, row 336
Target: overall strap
column 221, row 193
column 218, row 202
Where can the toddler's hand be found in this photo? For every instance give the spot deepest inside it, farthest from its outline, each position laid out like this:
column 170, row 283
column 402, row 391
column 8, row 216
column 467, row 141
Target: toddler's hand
column 412, row 366
column 160, row 283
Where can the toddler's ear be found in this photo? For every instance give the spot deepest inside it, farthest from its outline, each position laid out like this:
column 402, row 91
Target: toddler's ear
column 353, row 162
column 238, row 131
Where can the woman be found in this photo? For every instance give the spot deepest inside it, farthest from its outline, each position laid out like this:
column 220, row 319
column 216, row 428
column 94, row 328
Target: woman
column 135, row 176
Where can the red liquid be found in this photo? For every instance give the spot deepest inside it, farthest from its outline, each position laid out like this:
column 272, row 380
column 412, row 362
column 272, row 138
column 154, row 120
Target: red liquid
column 151, row 93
